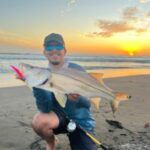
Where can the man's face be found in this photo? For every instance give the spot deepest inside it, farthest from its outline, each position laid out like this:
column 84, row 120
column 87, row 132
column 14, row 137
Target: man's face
column 55, row 54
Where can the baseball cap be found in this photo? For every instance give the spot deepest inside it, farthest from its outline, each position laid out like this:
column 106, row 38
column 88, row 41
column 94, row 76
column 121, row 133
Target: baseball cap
column 54, row 37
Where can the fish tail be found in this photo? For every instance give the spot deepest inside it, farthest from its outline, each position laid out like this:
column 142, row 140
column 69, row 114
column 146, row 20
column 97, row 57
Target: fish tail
column 119, row 96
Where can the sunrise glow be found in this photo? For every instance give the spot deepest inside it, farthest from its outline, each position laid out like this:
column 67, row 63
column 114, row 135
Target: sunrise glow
column 121, row 29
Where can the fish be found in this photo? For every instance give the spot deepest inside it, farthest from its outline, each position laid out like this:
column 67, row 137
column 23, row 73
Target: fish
column 68, row 80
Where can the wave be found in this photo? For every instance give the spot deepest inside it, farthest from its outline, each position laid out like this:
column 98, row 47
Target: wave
column 28, row 56
column 113, row 67
column 89, row 62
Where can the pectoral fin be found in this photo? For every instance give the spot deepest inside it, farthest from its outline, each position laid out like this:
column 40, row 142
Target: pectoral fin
column 96, row 102
column 99, row 77
column 61, row 98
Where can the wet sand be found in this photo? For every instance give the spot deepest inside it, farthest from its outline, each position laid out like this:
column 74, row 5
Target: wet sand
column 17, row 108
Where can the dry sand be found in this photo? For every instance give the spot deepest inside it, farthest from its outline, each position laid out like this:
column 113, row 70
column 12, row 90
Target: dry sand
column 17, row 108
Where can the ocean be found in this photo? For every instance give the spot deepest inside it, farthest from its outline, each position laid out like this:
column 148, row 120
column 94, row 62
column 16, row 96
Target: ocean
column 111, row 66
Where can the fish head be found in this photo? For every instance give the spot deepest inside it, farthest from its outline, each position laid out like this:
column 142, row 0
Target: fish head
column 34, row 76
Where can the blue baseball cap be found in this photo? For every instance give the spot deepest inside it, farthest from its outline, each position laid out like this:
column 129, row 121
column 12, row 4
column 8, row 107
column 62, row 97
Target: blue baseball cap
column 53, row 38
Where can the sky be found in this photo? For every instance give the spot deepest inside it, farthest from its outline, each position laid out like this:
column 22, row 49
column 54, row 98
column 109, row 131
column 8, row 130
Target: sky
column 95, row 27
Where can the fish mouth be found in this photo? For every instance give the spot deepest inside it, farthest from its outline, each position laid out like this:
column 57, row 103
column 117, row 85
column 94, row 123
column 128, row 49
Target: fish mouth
column 44, row 82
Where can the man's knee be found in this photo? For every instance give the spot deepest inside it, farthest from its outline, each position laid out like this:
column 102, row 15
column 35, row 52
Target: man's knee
column 38, row 123
column 43, row 121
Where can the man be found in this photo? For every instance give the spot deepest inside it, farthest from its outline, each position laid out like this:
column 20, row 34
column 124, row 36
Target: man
column 52, row 119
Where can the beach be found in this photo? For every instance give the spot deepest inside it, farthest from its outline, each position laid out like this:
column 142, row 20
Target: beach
column 17, row 107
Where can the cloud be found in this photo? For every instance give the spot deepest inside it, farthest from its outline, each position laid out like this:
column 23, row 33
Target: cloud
column 130, row 21
column 72, row 1
column 70, row 5
column 130, row 13
column 144, row 1
column 108, row 28
column 148, row 14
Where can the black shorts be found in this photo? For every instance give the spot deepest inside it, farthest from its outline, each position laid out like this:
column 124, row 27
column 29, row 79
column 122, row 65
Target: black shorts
column 78, row 139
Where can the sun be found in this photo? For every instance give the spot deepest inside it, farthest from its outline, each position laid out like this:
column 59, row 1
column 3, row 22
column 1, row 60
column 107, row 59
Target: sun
column 131, row 53
column 131, row 49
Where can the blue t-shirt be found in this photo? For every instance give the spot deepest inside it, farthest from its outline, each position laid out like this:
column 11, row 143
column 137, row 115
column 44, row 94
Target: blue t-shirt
column 79, row 110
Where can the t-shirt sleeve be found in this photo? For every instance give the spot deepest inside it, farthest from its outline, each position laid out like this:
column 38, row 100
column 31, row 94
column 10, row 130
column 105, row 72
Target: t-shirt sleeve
column 83, row 102
column 76, row 66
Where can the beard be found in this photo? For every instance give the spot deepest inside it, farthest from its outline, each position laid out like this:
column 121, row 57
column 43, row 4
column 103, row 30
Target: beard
column 55, row 62
column 52, row 60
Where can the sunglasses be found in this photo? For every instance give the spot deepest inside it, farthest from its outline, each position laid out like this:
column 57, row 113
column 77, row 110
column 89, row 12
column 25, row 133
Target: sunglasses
column 56, row 47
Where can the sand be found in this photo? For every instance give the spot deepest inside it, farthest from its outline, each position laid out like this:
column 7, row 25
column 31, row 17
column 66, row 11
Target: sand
column 17, row 108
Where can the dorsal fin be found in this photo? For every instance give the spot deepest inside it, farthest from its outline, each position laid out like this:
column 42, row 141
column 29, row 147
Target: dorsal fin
column 98, row 76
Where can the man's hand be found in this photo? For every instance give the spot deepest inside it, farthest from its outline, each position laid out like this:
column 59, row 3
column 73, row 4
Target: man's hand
column 73, row 96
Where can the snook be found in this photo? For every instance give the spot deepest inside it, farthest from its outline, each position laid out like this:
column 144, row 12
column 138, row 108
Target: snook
column 66, row 80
